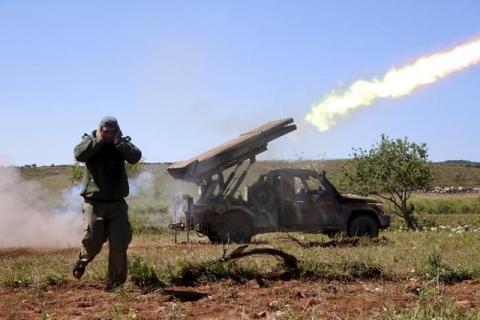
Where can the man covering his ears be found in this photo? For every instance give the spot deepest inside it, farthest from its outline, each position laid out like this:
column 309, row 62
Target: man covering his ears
column 105, row 185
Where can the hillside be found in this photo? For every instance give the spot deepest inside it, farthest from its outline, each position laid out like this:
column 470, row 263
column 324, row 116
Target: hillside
column 445, row 173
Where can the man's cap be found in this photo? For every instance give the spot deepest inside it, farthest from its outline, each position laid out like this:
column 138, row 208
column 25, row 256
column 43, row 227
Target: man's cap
column 109, row 122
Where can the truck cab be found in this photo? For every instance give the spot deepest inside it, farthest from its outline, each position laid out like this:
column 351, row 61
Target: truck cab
column 304, row 200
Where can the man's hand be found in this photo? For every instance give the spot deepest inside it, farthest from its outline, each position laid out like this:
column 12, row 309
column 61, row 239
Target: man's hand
column 98, row 134
column 108, row 135
column 118, row 135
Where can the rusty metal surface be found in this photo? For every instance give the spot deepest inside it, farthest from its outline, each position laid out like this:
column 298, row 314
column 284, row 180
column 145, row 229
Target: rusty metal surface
column 233, row 152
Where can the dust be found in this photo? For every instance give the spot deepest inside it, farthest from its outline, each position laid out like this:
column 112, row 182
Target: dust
column 28, row 220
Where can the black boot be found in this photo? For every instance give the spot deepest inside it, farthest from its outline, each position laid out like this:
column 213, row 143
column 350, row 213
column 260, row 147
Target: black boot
column 79, row 268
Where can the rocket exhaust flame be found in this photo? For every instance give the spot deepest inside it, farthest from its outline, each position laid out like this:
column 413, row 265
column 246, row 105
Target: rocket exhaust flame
column 394, row 84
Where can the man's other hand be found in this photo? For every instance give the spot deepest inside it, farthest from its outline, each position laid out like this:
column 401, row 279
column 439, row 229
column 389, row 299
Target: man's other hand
column 98, row 134
column 118, row 135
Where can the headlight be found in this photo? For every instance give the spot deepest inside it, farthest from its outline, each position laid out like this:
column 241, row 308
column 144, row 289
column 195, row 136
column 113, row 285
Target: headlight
column 379, row 205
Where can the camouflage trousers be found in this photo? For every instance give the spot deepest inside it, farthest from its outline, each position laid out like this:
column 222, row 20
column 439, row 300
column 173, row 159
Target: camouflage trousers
column 107, row 221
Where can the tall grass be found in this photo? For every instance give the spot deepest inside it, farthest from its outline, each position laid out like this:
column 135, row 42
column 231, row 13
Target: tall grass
column 447, row 206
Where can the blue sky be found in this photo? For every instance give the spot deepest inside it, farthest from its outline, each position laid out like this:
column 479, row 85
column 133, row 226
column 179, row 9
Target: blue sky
column 183, row 76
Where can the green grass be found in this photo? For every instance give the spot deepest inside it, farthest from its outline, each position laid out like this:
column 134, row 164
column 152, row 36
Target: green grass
column 26, row 268
column 432, row 304
column 149, row 223
column 434, row 256
column 143, row 274
column 446, row 254
column 447, row 206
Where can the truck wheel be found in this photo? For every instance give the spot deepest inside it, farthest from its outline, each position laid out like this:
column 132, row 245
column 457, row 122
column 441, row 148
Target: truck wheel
column 213, row 238
column 236, row 228
column 363, row 226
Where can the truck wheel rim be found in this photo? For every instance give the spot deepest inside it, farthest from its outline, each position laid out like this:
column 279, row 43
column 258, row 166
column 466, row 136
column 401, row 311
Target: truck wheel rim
column 363, row 230
column 235, row 235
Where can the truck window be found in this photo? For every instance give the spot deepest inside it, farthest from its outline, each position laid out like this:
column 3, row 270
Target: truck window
column 287, row 187
column 298, row 183
column 313, row 184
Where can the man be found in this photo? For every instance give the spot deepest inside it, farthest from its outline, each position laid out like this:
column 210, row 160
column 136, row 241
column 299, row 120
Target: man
column 105, row 185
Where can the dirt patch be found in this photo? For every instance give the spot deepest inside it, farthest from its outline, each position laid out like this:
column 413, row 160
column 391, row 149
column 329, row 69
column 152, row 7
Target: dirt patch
column 27, row 251
column 223, row 300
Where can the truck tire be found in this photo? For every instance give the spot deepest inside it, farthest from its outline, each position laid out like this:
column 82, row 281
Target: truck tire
column 213, row 238
column 363, row 226
column 235, row 228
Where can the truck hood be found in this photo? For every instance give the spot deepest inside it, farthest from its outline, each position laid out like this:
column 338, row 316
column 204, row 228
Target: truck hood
column 356, row 198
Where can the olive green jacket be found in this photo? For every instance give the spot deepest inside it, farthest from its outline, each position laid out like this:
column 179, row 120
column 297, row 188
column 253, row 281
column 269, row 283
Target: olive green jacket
column 105, row 177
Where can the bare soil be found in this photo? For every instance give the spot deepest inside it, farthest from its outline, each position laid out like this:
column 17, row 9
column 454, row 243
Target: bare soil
column 225, row 300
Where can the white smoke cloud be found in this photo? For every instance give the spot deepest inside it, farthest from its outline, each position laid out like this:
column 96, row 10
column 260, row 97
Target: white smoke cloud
column 142, row 184
column 71, row 200
column 27, row 221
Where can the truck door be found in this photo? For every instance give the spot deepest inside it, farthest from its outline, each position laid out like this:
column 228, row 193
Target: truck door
column 288, row 211
column 318, row 207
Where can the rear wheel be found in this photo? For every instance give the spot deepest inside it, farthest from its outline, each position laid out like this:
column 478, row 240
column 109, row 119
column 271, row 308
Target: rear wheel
column 213, row 238
column 236, row 227
column 363, row 226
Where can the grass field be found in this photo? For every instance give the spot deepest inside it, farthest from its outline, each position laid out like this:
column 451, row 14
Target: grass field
column 431, row 273
column 423, row 273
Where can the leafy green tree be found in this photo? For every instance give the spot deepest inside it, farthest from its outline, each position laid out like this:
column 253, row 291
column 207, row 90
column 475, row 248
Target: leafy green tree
column 392, row 169
column 76, row 172
column 134, row 169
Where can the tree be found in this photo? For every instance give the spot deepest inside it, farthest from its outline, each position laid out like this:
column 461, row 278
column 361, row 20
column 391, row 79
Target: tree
column 77, row 170
column 391, row 170
column 136, row 168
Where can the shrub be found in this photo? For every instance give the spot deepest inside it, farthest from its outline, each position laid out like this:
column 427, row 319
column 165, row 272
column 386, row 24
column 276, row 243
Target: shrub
column 54, row 279
column 435, row 269
column 142, row 274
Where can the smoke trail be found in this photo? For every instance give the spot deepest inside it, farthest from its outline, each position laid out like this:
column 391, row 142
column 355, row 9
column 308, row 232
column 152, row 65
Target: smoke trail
column 395, row 83
column 27, row 221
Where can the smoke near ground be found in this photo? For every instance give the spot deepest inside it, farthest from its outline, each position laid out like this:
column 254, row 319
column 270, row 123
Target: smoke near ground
column 142, row 184
column 26, row 220
column 154, row 195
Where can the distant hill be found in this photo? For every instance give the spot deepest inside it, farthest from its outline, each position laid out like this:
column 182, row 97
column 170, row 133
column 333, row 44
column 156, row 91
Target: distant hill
column 447, row 173
column 465, row 163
